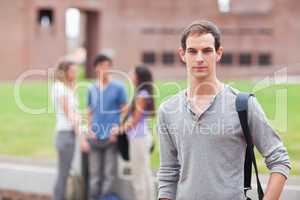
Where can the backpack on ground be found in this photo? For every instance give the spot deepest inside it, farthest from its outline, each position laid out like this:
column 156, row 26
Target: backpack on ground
column 77, row 182
column 111, row 197
column 75, row 187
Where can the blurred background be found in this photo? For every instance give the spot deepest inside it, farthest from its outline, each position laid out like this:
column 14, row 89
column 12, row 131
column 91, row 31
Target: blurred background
column 261, row 40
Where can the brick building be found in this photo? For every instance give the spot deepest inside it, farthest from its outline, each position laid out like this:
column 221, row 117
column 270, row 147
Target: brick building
column 262, row 34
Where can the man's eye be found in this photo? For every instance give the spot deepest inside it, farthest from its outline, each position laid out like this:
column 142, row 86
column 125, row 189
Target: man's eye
column 207, row 50
column 192, row 51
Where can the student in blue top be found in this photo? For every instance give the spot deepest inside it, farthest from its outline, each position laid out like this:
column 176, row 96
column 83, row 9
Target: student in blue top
column 139, row 133
column 106, row 99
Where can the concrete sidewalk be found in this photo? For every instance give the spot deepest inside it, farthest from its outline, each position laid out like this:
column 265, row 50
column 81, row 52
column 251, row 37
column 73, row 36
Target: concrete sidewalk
column 39, row 179
column 291, row 189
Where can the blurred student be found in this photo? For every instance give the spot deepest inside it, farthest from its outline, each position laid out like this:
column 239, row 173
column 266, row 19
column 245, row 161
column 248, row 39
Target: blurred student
column 67, row 122
column 106, row 98
column 136, row 127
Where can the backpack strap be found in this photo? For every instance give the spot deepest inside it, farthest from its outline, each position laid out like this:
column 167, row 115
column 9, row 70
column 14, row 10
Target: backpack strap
column 242, row 109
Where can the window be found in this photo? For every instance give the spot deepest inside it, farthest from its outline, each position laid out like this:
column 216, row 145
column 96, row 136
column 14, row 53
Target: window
column 264, row 59
column 149, row 57
column 168, row 58
column 45, row 17
column 227, row 59
column 245, row 59
column 255, row 7
column 72, row 23
column 224, row 6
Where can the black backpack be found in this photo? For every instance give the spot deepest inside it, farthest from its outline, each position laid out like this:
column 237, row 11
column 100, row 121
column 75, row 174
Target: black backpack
column 241, row 104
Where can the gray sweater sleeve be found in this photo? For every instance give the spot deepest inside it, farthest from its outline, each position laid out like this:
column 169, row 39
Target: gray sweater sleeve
column 168, row 173
column 267, row 140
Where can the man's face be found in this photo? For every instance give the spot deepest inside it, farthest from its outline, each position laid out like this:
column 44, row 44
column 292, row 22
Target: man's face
column 200, row 56
column 103, row 68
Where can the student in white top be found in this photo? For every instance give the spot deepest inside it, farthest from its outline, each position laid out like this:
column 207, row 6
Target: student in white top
column 67, row 122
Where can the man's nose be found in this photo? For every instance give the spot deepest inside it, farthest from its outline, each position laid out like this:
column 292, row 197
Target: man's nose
column 199, row 57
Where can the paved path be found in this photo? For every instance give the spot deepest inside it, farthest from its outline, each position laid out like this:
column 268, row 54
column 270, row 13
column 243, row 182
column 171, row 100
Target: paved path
column 40, row 179
column 291, row 190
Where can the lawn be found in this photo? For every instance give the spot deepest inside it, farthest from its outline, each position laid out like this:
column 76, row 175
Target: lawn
column 31, row 135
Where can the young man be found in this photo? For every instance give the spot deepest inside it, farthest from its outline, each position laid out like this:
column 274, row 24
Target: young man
column 105, row 101
column 202, row 147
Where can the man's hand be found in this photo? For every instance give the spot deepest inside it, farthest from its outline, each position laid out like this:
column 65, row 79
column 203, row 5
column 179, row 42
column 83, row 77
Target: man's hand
column 113, row 139
column 275, row 186
column 84, row 145
column 91, row 135
column 115, row 131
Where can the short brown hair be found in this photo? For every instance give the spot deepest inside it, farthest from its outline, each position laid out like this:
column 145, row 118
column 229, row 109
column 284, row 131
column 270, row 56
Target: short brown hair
column 101, row 58
column 201, row 27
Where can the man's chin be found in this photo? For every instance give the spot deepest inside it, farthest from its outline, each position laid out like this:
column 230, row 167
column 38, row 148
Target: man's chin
column 200, row 75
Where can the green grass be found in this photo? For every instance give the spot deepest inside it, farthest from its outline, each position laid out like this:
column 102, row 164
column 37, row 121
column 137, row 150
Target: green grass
column 31, row 135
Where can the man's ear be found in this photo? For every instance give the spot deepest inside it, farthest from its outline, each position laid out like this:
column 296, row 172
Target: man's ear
column 181, row 53
column 219, row 54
